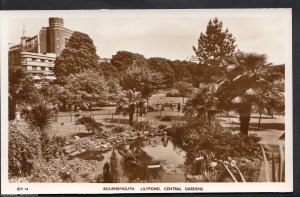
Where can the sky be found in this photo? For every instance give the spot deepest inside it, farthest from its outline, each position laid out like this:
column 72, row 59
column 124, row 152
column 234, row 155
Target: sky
column 169, row 34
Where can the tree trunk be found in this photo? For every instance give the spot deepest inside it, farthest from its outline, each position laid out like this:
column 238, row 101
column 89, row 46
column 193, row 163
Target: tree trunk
column 258, row 126
column 245, row 114
column 12, row 104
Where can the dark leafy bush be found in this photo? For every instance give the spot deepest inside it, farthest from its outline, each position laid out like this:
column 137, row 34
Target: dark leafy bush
column 118, row 129
column 166, row 118
column 40, row 115
column 90, row 124
column 209, row 142
column 162, row 126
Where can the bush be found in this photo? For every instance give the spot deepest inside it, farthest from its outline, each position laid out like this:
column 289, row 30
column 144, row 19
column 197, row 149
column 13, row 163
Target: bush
column 90, row 124
column 209, row 142
column 141, row 125
column 40, row 115
column 24, row 146
column 52, row 147
column 118, row 129
column 173, row 93
column 162, row 126
column 166, row 118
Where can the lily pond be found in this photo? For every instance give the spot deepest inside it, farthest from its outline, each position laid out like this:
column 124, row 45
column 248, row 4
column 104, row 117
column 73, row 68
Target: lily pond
column 152, row 160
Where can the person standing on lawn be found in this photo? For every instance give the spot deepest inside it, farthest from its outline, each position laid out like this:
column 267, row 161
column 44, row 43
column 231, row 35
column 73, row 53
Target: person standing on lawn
column 171, row 105
column 179, row 107
column 131, row 111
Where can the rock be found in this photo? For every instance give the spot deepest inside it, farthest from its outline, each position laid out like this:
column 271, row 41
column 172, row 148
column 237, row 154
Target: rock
column 69, row 149
column 74, row 153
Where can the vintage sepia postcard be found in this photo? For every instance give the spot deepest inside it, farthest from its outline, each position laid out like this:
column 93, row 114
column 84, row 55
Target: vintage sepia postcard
column 146, row 101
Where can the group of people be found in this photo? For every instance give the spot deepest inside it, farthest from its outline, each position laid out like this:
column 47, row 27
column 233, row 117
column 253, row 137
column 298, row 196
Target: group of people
column 179, row 106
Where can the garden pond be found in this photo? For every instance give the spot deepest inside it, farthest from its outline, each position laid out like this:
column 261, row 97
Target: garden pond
column 150, row 160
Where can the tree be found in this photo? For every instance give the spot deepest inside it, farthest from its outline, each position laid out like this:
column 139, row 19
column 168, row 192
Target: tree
column 109, row 70
column 87, row 88
column 163, row 66
column 245, row 85
column 184, row 89
column 79, row 55
column 40, row 115
column 124, row 59
column 21, row 90
column 215, row 44
column 140, row 78
column 203, row 103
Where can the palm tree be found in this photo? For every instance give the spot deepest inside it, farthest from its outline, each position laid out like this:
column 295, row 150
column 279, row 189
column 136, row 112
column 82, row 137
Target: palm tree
column 245, row 85
column 40, row 114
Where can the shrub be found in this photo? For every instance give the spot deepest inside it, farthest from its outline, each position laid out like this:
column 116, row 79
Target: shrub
column 206, row 141
column 90, row 124
column 166, row 118
column 173, row 93
column 162, row 126
column 52, row 146
column 23, row 146
column 141, row 125
column 118, row 129
column 40, row 115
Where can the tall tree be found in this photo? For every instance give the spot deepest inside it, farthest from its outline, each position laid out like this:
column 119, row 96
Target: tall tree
column 140, row 78
column 214, row 44
column 21, row 90
column 184, row 88
column 245, row 85
column 87, row 88
column 79, row 55
column 124, row 59
column 163, row 66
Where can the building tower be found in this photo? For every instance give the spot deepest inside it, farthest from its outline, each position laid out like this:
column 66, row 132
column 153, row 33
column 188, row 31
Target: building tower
column 56, row 36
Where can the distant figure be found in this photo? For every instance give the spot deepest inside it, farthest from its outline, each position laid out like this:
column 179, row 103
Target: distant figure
column 55, row 110
column 18, row 116
column 179, row 107
column 119, row 108
column 131, row 111
column 171, row 105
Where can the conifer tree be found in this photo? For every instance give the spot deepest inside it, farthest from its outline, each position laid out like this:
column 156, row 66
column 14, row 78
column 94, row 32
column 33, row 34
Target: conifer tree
column 214, row 44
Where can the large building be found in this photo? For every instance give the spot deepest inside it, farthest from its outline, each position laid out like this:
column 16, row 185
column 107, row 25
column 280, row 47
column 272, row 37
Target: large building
column 38, row 53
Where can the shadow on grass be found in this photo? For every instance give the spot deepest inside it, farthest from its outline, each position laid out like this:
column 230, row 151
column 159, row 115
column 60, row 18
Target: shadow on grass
column 254, row 117
column 109, row 126
column 263, row 126
column 116, row 121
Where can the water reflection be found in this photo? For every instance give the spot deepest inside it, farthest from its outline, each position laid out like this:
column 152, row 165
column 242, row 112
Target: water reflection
column 136, row 158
